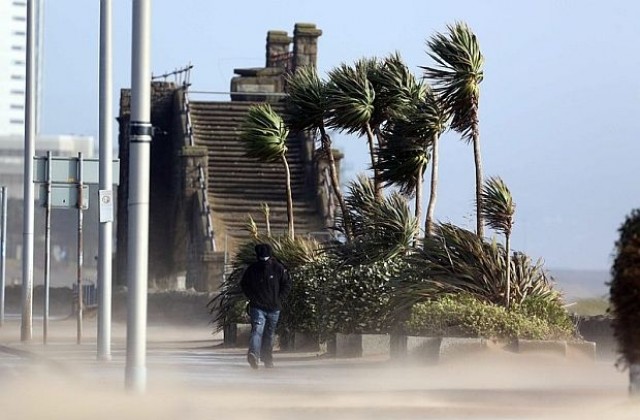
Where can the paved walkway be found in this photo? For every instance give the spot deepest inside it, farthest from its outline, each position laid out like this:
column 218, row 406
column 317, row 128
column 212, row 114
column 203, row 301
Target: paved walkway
column 190, row 376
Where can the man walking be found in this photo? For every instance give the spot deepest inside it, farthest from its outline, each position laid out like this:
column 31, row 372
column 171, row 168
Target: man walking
column 266, row 283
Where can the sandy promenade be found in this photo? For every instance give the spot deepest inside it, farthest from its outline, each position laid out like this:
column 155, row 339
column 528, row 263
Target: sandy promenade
column 191, row 377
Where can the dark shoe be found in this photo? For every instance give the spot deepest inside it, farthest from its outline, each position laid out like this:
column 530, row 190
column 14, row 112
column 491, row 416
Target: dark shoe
column 268, row 364
column 253, row 360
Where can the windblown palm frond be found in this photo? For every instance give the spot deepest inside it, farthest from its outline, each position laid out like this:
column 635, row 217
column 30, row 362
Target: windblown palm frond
column 454, row 259
column 381, row 229
column 409, row 140
column 498, row 208
column 307, row 102
column 397, row 89
column 351, row 97
column 458, row 75
column 264, row 134
column 401, row 161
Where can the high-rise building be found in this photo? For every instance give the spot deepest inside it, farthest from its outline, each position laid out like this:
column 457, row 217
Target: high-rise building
column 13, row 51
column 13, row 63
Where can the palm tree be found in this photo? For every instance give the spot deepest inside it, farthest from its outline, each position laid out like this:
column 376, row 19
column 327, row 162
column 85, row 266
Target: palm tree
column 412, row 140
column 265, row 138
column 402, row 160
column 625, row 305
column 351, row 97
column 457, row 79
column 364, row 97
column 498, row 210
column 307, row 108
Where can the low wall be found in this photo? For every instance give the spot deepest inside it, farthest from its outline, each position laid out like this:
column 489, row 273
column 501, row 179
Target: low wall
column 178, row 307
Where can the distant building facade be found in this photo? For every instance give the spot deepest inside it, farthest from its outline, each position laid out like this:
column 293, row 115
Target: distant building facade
column 13, row 52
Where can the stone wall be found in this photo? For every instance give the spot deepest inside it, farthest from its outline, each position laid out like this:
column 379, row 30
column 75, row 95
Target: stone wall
column 165, row 186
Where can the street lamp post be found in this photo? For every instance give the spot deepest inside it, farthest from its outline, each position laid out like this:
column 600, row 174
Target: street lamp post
column 106, row 183
column 26, row 328
column 138, row 204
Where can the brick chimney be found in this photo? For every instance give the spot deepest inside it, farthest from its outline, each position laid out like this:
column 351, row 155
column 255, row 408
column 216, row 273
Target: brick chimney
column 278, row 49
column 305, row 45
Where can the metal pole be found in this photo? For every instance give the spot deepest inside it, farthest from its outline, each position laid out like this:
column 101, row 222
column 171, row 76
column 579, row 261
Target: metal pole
column 80, row 246
column 26, row 328
column 106, row 183
column 3, row 251
column 138, row 205
column 47, row 253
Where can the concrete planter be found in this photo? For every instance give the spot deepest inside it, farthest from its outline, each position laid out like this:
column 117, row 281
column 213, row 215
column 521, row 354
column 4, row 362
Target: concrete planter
column 582, row 350
column 431, row 350
column 542, row 346
column 359, row 345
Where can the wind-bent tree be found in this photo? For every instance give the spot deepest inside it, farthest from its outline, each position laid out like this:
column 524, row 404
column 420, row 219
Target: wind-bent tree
column 351, row 97
column 365, row 96
column 412, row 140
column 265, row 138
column 456, row 80
column 498, row 211
column 625, row 304
column 402, row 161
column 307, row 110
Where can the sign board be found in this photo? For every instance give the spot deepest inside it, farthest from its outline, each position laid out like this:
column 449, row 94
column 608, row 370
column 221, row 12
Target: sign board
column 64, row 170
column 106, row 205
column 64, row 196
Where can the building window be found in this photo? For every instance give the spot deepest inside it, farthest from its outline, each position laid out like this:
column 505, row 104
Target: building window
column 17, row 77
column 20, row 18
column 16, row 121
column 20, row 33
column 17, row 92
column 17, row 107
column 19, row 3
column 17, row 48
column 19, row 62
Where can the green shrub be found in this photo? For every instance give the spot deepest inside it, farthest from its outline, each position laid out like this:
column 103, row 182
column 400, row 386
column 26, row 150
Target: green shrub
column 346, row 299
column 464, row 315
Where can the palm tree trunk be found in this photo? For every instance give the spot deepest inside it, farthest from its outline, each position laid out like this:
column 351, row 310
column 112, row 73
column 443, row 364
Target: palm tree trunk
column 335, row 183
column 478, row 162
column 289, row 197
column 418, row 199
column 508, row 291
column 376, row 176
column 428, row 222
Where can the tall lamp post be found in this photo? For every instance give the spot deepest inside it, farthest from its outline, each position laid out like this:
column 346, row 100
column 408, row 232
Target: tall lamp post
column 106, row 183
column 26, row 328
column 138, row 204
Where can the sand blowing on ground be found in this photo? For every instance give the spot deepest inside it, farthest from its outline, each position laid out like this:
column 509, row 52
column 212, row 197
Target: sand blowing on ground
column 489, row 385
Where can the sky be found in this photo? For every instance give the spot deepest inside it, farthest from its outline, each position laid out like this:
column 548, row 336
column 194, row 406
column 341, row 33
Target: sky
column 559, row 104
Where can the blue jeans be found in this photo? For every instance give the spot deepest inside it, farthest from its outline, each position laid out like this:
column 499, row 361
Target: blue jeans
column 263, row 330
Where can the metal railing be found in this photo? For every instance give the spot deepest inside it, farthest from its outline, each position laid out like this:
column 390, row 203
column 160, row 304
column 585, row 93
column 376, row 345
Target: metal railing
column 180, row 76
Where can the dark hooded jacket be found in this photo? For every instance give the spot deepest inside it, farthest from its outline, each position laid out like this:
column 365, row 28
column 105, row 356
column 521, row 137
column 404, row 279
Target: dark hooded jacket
column 266, row 282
